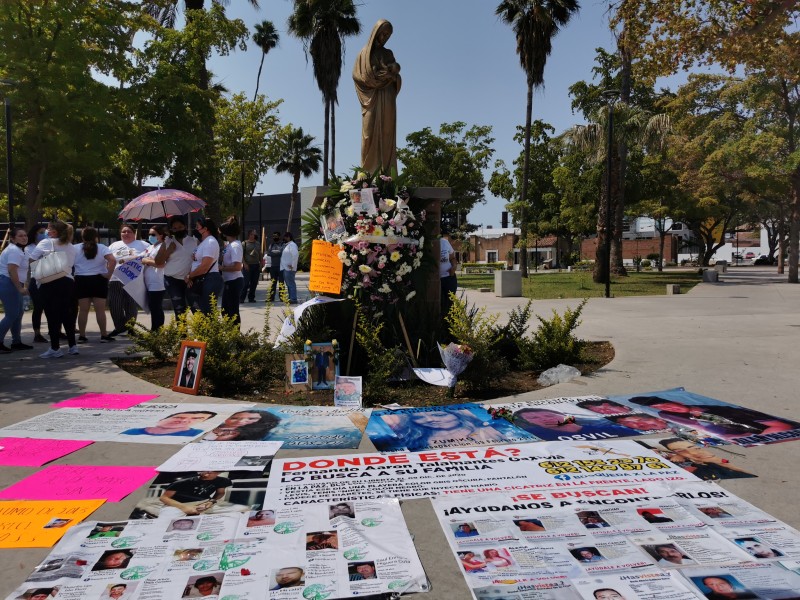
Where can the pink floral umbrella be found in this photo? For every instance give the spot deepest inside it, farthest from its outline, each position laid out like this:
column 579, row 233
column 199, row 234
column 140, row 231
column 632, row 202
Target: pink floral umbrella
column 161, row 203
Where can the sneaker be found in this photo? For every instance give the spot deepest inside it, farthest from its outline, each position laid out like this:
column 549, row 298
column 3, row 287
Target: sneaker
column 73, row 350
column 116, row 332
column 5, row 349
column 40, row 339
column 20, row 346
column 82, row 339
column 106, row 338
column 52, row 354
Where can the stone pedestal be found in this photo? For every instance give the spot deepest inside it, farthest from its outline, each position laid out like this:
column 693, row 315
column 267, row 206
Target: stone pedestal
column 721, row 266
column 673, row 289
column 508, row 284
column 710, row 276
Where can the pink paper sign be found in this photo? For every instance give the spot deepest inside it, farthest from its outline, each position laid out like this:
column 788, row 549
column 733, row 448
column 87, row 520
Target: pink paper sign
column 112, row 401
column 79, row 482
column 31, row 452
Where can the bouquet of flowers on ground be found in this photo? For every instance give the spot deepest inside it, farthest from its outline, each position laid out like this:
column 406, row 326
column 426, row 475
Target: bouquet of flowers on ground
column 379, row 236
column 455, row 357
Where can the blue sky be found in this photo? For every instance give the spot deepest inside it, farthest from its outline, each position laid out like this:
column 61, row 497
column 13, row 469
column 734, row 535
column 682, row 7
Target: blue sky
column 458, row 62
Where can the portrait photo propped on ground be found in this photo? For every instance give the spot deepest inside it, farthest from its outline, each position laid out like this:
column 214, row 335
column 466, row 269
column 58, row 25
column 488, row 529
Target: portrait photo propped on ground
column 190, row 367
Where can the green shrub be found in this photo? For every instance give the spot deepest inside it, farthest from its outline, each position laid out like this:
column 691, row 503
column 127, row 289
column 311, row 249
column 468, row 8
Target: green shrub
column 646, row 264
column 382, row 362
column 471, row 326
column 234, row 361
column 553, row 342
column 510, row 334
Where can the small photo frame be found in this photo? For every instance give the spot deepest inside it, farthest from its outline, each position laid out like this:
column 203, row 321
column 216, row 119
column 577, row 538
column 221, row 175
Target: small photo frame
column 363, row 201
column 190, row 367
column 347, row 392
column 324, row 366
column 298, row 376
column 333, row 225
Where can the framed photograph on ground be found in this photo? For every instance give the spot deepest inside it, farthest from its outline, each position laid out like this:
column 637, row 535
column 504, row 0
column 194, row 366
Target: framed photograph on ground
column 297, row 374
column 189, row 367
column 324, row 366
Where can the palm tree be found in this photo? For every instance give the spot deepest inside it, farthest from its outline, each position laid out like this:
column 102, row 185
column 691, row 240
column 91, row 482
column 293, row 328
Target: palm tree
column 266, row 37
column 298, row 157
column 535, row 23
column 632, row 125
column 323, row 25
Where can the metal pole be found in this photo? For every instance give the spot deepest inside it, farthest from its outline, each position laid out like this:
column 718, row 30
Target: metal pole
column 244, row 235
column 9, row 164
column 260, row 224
column 608, row 196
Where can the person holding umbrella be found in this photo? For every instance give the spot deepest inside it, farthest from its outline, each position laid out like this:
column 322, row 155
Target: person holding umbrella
column 154, row 262
column 204, row 279
column 180, row 249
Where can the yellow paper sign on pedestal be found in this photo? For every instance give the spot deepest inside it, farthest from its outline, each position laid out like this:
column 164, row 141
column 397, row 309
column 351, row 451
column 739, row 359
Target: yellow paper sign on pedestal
column 326, row 268
column 40, row 523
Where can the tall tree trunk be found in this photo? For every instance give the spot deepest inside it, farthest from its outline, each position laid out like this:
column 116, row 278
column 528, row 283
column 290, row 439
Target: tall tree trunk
column 333, row 137
column 617, row 266
column 33, row 193
column 258, row 77
column 523, row 199
column 326, row 141
column 295, row 188
column 661, row 235
column 794, row 227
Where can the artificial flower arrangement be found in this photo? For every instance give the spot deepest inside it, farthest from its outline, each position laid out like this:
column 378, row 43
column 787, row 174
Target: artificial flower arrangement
column 379, row 236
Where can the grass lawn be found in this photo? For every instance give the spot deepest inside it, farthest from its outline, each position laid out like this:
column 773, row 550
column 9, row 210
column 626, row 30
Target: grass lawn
column 552, row 284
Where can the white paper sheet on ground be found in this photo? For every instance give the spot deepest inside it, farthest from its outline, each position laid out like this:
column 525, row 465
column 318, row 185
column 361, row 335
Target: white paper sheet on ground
column 440, row 377
column 133, row 424
column 237, row 456
column 290, row 322
column 646, row 585
column 766, row 581
column 358, row 549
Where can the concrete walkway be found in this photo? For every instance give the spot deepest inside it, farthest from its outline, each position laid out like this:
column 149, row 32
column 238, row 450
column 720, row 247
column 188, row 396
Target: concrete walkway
column 736, row 340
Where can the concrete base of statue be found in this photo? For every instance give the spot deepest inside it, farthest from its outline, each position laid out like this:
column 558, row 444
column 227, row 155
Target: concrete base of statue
column 508, row 284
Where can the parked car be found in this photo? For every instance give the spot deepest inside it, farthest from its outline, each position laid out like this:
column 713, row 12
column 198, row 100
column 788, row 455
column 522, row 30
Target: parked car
column 763, row 259
column 749, row 255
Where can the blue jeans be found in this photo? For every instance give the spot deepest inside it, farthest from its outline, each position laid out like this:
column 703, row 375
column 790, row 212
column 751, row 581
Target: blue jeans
column 291, row 286
column 12, row 304
column 176, row 292
column 250, row 282
column 154, row 300
column 202, row 289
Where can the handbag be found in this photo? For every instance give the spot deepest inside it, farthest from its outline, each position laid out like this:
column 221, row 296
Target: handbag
column 50, row 267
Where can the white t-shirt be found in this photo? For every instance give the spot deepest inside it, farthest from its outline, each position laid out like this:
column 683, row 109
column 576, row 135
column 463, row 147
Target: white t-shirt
column 49, row 245
column 289, row 257
column 209, row 247
column 445, row 250
column 153, row 276
column 232, row 253
column 180, row 261
column 123, row 251
column 95, row 266
column 14, row 255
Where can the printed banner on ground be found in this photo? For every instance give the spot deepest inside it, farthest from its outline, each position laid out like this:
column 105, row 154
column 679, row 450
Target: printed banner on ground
column 336, row 551
column 577, row 418
column 751, row 580
column 30, row 452
column 40, row 524
column 699, row 460
column 242, row 456
column 524, row 468
column 79, row 482
column 143, row 423
column 431, row 427
column 295, row 426
column 714, row 418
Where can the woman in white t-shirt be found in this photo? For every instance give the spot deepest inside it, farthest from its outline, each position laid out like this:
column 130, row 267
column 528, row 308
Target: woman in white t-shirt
column 13, row 273
column 58, row 296
column 180, row 248
column 204, row 279
column 121, row 304
column 94, row 264
column 232, row 257
column 154, row 261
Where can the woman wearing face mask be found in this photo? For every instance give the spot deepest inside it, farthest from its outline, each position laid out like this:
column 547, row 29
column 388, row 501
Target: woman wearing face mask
column 94, row 264
column 179, row 250
column 36, row 234
column 154, row 261
column 58, row 295
column 121, row 304
column 204, row 279
column 13, row 273
column 232, row 256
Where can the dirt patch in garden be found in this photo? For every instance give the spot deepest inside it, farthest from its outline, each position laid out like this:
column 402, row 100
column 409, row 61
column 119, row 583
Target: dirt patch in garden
column 410, row 393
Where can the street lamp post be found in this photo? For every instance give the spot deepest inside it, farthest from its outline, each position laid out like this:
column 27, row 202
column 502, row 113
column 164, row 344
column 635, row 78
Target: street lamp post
column 610, row 96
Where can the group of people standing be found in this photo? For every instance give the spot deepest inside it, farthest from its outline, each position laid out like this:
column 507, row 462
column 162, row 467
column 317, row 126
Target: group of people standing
column 193, row 271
